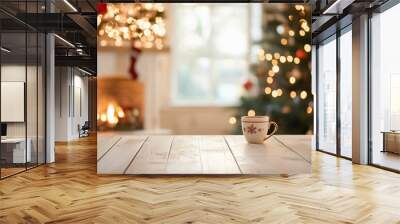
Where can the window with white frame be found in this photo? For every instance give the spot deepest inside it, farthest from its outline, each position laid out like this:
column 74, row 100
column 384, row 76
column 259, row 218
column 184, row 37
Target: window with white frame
column 210, row 51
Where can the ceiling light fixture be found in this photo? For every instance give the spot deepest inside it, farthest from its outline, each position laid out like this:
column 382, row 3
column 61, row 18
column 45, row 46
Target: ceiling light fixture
column 337, row 7
column 70, row 5
column 5, row 50
column 64, row 40
column 84, row 71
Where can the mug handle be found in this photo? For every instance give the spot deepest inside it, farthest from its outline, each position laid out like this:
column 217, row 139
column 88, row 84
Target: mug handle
column 273, row 132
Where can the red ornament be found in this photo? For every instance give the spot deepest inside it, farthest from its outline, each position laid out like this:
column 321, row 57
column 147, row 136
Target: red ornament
column 101, row 8
column 300, row 54
column 248, row 85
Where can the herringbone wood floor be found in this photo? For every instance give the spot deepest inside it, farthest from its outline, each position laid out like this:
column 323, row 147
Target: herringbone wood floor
column 69, row 191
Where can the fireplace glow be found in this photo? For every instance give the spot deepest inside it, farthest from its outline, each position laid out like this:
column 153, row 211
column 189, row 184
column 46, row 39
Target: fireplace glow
column 111, row 118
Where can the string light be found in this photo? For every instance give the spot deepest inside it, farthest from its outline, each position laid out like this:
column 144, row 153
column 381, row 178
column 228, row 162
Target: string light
column 292, row 80
column 277, row 55
column 232, row 120
column 291, row 33
column 275, row 68
column 307, row 47
column 140, row 23
column 279, row 92
column 268, row 90
column 270, row 80
column 251, row 113
column 271, row 73
column 282, row 59
column 296, row 60
column 302, row 33
column 274, row 94
column 293, row 94
column 284, row 41
column 274, row 62
column 268, row 57
column 309, row 110
column 303, row 95
column 289, row 58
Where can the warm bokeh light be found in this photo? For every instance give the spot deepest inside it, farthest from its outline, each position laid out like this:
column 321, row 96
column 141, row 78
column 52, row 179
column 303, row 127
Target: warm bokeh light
column 268, row 90
column 289, row 58
column 275, row 68
column 303, row 95
column 292, row 80
column 293, row 94
column 309, row 110
column 251, row 113
column 271, row 73
column 296, row 60
column 282, row 59
column 307, row 47
column 270, row 80
column 268, row 57
column 232, row 120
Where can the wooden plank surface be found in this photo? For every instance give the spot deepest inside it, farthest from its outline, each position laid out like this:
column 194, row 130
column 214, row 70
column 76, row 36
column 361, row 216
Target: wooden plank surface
column 213, row 154
column 299, row 143
column 105, row 143
column 153, row 157
column 269, row 158
column 120, row 155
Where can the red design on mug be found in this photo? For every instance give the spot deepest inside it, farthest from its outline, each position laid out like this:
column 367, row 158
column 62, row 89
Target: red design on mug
column 252, row 129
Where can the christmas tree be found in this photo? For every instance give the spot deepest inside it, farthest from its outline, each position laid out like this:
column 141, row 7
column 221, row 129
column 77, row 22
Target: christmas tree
column 282, row 87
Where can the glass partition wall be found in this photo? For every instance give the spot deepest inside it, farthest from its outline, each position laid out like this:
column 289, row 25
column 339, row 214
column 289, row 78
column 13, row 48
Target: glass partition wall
column 385, row 90
column 22, row 91
column 334, row 94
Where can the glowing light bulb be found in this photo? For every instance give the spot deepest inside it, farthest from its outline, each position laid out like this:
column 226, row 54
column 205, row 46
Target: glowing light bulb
column 292, row 80
column 282, row 59
column 232, row 120
column 309, row 110
column 275, row 68
column 251, row 113
column 270, row 80
column 268, row 90
column 303, row 95
column 293, row 94
column 307, row 47
column 296, row 60
column 268, row 57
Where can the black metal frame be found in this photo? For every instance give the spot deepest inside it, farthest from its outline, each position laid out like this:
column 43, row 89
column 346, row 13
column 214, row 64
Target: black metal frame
column 44, row 77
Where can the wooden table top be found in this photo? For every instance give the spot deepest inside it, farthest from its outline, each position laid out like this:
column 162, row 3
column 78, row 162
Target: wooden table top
column 203, row 154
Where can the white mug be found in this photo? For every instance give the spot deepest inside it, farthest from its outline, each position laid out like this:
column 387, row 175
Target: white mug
column 255, row 128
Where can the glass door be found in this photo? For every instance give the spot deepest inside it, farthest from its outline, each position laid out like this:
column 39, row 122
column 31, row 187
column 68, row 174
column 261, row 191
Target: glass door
column 345, row 42
column 326, row 96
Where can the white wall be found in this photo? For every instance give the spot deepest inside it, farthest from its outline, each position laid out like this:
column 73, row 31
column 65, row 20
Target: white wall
column 69, row 82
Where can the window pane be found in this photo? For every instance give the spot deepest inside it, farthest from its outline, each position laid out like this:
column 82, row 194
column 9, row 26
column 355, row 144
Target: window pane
column 346, row 94
column 209, row 53
column 327, row 97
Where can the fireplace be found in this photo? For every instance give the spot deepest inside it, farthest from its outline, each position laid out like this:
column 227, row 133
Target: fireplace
column 120, row 104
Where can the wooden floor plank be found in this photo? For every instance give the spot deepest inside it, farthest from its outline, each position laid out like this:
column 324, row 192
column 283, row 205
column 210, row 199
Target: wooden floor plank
column 153, row 157
column 120, row 156
column 269, row 158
